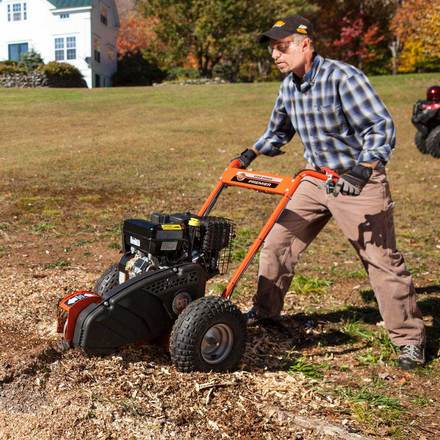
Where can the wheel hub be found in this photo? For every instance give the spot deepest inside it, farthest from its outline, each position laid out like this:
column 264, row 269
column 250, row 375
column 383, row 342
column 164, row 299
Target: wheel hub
column 217, row 343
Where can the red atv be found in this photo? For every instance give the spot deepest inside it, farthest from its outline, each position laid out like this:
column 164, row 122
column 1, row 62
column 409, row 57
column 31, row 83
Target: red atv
column 426, row 118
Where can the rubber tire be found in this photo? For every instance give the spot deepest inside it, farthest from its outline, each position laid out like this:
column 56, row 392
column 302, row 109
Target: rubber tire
column 420, row 141
column 433, row 142
column 108, row 280
column 191, row 326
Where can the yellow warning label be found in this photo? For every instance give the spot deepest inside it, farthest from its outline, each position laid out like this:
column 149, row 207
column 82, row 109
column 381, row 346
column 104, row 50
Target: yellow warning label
column 194, row 222
column 171, row 227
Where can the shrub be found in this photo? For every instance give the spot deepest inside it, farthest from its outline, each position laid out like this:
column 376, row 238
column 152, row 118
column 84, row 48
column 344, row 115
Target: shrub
column 10, row 67
column 62, row 75
column 31, row 60
column 226, row 71
column 428, row 64
column 181, row 73
column 9, row 63
column 136, row 70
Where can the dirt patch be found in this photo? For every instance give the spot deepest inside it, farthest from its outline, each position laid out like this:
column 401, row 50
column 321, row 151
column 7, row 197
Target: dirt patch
column 21, row 352
column 138, row 393
column 326, row 360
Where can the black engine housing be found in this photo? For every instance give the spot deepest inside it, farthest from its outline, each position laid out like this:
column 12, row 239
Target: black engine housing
column 180, row 237
column 139, row 310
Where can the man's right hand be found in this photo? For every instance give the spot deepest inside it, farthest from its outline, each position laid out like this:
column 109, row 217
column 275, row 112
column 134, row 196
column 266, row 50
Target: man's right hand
column 246, row 157
column 352, row 182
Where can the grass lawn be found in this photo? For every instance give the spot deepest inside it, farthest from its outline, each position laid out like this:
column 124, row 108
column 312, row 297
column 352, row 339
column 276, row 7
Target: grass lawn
column 74, row 163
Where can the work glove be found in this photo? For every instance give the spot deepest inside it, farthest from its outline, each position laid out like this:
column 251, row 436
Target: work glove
column 246, row 157
column 352, row 182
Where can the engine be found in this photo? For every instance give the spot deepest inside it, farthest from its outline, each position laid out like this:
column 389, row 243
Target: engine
column 169, row 239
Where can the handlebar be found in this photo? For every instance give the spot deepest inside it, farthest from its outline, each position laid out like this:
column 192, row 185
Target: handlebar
column 284, row 186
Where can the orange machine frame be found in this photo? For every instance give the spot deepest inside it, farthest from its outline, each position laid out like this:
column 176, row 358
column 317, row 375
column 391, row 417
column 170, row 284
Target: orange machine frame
column 284, row 186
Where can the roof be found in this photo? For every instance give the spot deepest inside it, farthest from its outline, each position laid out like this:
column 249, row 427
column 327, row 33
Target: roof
column 68, row 4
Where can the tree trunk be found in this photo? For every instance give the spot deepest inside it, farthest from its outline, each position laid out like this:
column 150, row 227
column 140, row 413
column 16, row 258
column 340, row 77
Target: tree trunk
column 200, row 60
column 206, row 71
column 394, row 48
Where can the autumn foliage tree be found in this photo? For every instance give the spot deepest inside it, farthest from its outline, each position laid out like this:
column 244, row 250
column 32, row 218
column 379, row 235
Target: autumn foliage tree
column 358, row 41
column 213, row 32
column 355, row 32
column 135, row 34
column 136, row 42
column 211, row 37
column 416, row 27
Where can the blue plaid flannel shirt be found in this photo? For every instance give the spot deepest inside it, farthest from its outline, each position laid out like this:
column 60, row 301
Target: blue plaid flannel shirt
column 337, row 114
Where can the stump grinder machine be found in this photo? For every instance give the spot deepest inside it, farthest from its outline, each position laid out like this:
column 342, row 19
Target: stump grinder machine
column 157, row 290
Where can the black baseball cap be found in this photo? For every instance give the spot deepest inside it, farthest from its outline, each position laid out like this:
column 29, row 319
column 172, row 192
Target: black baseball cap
column 294, row 24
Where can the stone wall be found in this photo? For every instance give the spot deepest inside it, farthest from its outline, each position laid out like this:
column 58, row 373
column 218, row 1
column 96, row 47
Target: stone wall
column 37, row 79
column 23, row 80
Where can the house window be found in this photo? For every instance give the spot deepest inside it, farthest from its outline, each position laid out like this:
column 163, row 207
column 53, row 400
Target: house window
column 17, row 50
column 17, row 11
column 110, row 52
column 71, row 48
column 96, row 49
column 59, row 49
column 104, row 15
column 65, row 48
column 64, row 16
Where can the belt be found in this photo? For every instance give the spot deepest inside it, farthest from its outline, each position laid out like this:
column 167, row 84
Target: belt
column 379, row 166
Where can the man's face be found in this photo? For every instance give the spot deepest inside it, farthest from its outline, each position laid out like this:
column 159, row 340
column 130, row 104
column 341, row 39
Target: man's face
column 287, row 54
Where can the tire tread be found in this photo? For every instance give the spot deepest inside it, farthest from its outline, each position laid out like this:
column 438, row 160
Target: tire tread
column 102, row 287
column 192, row 324
column 433, row 142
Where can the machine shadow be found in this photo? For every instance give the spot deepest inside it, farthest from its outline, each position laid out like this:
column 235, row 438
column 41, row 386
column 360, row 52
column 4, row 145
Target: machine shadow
column 270, row 345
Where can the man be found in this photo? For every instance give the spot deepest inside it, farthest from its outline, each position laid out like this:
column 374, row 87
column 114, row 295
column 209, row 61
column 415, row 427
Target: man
column 344, row 126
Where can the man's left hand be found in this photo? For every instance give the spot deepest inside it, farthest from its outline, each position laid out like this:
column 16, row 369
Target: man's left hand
column 352, row 182
column 246, row 157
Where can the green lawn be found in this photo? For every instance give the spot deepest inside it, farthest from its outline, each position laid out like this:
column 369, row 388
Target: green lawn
column 164, row 147
column 104, row 139
column 74, row 163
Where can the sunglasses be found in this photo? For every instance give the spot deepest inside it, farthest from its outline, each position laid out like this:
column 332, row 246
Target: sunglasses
column 280, row 47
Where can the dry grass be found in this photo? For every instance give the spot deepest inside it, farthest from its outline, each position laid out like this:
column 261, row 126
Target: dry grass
column 75, row 162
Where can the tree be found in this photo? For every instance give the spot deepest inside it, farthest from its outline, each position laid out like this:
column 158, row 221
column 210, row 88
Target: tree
column 213, row 31
column 136, row 70
column 31, row 60
column 416, row 28
column 357, row 41
column 135, row 34
column 137, row 63
column 356, row 32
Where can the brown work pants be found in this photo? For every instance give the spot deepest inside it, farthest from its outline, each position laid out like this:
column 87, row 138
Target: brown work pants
column 367, row 222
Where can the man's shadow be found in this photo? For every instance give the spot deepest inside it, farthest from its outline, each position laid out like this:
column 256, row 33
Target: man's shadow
column 269, row 342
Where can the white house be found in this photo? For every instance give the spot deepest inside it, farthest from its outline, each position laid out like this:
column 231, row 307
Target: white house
column 79, row 32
